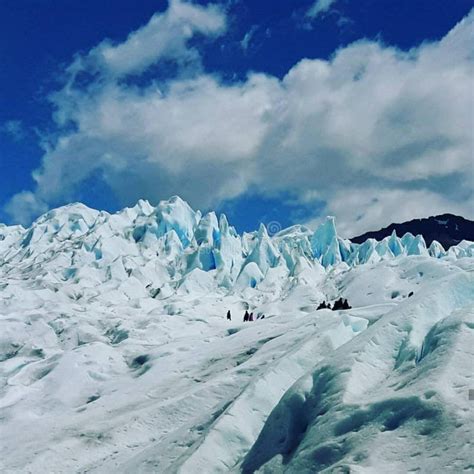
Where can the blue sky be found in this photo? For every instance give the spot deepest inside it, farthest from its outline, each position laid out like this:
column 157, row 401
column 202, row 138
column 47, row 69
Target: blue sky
column 269, row 111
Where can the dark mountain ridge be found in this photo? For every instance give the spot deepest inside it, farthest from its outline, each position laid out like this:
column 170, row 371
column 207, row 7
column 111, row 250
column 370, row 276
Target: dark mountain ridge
column 447, row 229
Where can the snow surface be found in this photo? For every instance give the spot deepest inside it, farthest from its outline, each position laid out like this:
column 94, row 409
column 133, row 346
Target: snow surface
column 116, row 355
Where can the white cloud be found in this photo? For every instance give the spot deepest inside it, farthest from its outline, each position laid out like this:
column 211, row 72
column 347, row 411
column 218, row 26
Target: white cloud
column 319, row 7
column 197, row 140
column 165, row 36
column 25, row 206
column 371, row 126
column 361, row 209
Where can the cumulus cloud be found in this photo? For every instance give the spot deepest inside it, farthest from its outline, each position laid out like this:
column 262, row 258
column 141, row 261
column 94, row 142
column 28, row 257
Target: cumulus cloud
column 165, row 36
column 368, row 127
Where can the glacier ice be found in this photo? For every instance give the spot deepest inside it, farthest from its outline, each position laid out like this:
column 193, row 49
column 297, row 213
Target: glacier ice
column 116, row 355
column 181, row 240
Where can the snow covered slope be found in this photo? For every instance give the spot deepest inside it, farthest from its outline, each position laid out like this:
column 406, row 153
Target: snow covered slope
column 116, row 356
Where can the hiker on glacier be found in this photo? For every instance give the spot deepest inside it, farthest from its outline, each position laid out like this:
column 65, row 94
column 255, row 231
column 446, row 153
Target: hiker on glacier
column 338, row 304
column 246, row 316
column 229, row 316
column 341, row 304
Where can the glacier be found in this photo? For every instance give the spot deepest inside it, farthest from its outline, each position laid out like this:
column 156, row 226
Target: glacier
column 116, row 356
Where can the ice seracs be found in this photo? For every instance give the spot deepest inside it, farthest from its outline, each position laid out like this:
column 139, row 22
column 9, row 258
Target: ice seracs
column 436, row 250
column 263, row 253
column 395, row 244
column 417, row 246
column 176, row 214
column 324, row 242
column 177, row 240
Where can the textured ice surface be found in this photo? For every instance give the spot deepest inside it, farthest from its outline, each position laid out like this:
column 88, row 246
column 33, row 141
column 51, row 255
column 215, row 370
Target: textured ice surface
column 116, row 355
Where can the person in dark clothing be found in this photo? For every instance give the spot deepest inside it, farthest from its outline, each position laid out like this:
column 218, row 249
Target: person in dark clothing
column 340, row 304
column 337, row 305
column 229, row 316
column 246, row 316
column 345, row 305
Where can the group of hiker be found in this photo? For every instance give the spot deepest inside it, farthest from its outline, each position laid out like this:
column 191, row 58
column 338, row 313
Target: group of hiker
column 338, row 304
column 341, row 303
column 247, row 316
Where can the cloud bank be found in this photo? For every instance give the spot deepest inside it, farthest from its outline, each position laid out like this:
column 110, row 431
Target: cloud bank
column 377, row 133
